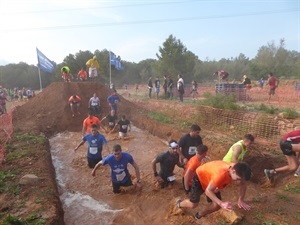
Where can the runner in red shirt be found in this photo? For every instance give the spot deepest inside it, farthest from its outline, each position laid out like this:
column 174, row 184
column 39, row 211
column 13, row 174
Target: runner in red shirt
column 290, row 147
column 82, row 75
column 74, row 101
column 273, row 84
column 192, row 165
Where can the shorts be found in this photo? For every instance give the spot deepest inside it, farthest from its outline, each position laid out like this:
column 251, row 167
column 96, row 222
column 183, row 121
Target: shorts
column 272, row 91
column 287, row 148
column 197, row 191
column 92, row 162
column 116, row 186
column 157, row 90
column 122, row 135
column 113, row 107
column 93, row 72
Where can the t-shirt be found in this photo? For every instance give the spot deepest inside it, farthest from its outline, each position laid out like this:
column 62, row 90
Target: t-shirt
column 119, row 171
column 167, row 163
column 228, row 156
column 94, row 101
column 150, row 84
column 217, row 171
column 123, row 125
column 189, row 145
column 111, row 120
column 74, row 100
column 293, row 136
column 95, row 144
column 157, row 83
column 113, row 99
column 272, row 82
column 88, row 122
column 170, row 83
column 192, row 164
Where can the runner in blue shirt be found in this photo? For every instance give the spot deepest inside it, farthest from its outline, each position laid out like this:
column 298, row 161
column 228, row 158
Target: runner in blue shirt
column 118, row 162
column 95, row 141
column 112, row 100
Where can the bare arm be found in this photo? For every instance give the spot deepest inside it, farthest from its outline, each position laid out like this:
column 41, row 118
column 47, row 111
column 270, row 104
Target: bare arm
column 211, row 194
column 241, row 203
column 81, row 143
column 186, row 179
column 137, row 171
column 96, row 167
column 236, row 152
column 83, row 130
column 158, row 178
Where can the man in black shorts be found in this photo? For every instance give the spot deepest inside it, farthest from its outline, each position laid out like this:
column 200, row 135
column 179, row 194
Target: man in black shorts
column 189, row 142
column 290, row 147
column 111, row 119
column 212, row 177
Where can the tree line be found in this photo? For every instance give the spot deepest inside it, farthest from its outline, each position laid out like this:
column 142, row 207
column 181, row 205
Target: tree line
column 173, row 58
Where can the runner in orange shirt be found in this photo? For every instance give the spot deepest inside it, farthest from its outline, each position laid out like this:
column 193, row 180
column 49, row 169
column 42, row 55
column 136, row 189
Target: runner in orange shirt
column 82, row 75
column 74, row 101
column 212, row 177
column 88, row 122
column 192, row 165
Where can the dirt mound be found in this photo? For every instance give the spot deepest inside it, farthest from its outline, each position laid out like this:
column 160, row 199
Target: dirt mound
column 49, row 111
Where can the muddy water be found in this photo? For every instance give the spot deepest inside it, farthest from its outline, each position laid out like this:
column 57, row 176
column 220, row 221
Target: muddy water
column 87, row 199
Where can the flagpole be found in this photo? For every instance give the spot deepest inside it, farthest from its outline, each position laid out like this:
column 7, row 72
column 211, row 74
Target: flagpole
column 41, row 88
column 109, row 70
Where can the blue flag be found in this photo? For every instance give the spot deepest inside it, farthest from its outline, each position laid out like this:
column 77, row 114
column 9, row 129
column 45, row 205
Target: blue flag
column 114, row 61
column 44, row 63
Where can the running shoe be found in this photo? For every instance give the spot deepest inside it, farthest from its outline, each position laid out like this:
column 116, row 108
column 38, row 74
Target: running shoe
column 268, row 174
column 297, row 173
column 197, row 216
column 178, row 203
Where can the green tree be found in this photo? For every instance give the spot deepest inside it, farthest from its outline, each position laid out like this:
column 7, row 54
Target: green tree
column 174, row 58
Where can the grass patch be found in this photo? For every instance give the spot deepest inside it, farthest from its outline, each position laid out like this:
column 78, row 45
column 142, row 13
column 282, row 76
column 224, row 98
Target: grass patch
column 288, row 113
column 220, row 101
column 283, row 197
column 293, row 189
column 159, row 117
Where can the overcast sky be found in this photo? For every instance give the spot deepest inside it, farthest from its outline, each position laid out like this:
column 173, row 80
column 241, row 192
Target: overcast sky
column 134, row 29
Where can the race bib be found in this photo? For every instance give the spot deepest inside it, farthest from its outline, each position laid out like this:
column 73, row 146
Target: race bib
column 110, row 123
column 171, row 178
column 192, row 150
column 116, row 101
column 121, row 176
column 124, row 127
column 93, row 150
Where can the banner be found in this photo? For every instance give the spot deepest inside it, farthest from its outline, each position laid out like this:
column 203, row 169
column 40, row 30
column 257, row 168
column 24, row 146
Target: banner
column 114, row 61
column 44, row 63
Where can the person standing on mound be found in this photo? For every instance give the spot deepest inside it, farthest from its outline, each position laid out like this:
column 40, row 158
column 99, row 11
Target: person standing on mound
column 66, row 74
column 290, row 147
column 120, row 175
column 96, row 142
column 212, row 177
column 93, row 66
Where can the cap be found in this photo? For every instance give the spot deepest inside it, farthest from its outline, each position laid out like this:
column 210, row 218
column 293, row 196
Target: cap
column 95, row 57
column 173, row 144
